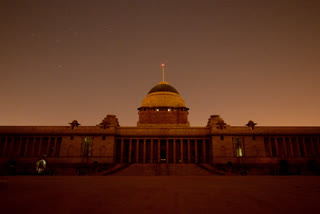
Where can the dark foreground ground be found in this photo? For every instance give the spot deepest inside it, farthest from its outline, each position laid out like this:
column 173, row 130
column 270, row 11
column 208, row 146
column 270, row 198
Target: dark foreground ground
column 160, row 194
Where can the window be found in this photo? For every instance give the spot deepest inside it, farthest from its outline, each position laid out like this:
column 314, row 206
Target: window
column 253, row 137
column 238, row 147
column 71, row 137
column 221, row 137
column 103, row 137
column 86, row 147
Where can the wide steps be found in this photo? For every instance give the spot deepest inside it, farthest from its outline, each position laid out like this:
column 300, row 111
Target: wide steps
column 163, row 170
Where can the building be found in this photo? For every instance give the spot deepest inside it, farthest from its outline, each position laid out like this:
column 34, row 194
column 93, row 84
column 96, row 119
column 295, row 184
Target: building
column 162, row 135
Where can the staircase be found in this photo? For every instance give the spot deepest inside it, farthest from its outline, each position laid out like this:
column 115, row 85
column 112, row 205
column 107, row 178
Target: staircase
column 163, row 170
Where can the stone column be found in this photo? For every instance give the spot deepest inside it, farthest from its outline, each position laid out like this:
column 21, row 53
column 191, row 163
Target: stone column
column 121, row 151
column 277, row 149
column 167, row 150
column 196, row 150
column 144, row 150
column 270, row 147
column 5, row 146
column 204, row 150
column 17, row 152
column 284, row 146
column 306, row 154
column 298, row 146
column 158, row 150
column 181, row 150
column 25, row 153
column 151, row 148
column 189, row 153
column 174, row 150
column 130, row 148
column 137, row 150
column 313, row 151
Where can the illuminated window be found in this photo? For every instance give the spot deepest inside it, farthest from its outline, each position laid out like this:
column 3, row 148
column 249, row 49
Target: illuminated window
column 238, row 148
column 86, row 147
column 157, row 109
column 169, row 109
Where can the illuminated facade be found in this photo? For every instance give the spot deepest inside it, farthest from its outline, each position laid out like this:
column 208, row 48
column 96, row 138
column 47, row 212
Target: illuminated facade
column 162, row 135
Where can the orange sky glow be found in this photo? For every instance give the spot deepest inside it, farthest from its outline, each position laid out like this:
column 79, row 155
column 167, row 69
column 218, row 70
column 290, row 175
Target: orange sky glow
column 243, row 60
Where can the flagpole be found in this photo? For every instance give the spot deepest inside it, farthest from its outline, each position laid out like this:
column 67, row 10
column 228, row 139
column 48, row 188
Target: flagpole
column 162, row 72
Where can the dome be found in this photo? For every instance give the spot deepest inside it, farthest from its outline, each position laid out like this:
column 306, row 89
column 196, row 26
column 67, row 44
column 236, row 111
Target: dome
column 163, row 86
column 163, row 95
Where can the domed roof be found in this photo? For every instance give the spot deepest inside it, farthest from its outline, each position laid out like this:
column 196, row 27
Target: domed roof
column 163, row 95
column 163, row 86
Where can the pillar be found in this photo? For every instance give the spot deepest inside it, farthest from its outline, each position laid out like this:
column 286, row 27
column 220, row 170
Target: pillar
column 137, row 150
column 151, row 148
column 121, row 151
column 144, row 150
column 26, row 148
column 204, row 150
column 130, row 148
column 306, row 154
column 196, row 150
column 270, row 147
column 174, row 150
column 167, row 150
column 158, row 150
column 189, row 153
column 277, row 149
column 5, row 146
column 284, row 146
column 181, row 150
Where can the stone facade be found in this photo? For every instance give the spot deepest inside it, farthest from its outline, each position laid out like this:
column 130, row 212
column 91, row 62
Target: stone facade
column 163, row 135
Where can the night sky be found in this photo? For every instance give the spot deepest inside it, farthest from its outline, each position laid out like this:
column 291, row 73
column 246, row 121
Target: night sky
column 244, row 60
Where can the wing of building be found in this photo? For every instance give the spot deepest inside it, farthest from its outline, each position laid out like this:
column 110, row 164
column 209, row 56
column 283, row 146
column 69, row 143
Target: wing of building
column 162, row 135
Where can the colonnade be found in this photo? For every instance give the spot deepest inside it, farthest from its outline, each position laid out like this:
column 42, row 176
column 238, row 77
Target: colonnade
column 291, row 146
column 162, row 150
